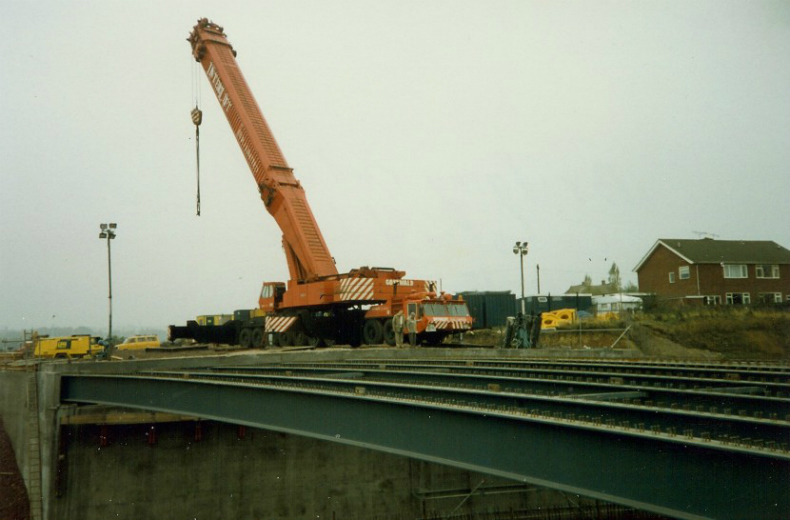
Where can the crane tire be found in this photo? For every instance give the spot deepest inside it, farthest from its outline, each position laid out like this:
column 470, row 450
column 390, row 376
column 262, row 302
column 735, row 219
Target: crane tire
column 258, row 338
column 287, row 338
column 373, row 332
column 245, row 338
column 389, row 333
column 300, row 339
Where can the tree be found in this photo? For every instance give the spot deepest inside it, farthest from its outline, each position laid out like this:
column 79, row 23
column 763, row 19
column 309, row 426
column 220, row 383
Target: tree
column 614, row 277
column 630, row 287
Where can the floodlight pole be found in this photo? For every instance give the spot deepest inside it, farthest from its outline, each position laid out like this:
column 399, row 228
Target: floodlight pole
column 109, row 285
column 521, row 249
column 108, row 232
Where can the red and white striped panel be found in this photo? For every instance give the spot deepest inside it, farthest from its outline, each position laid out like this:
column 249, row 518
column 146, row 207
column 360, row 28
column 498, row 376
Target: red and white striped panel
column 356, row 289
column 451, row 324
column 278, row 323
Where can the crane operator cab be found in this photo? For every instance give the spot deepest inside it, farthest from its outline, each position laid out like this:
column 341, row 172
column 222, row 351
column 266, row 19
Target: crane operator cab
column 440, row 317
column 271, row 296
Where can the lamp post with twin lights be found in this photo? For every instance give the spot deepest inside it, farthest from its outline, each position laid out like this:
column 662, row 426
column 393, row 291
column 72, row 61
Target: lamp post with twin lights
column 521, row 249
column 108, row 232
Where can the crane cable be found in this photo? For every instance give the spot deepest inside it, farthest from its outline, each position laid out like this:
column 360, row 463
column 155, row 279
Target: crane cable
column 197, row 118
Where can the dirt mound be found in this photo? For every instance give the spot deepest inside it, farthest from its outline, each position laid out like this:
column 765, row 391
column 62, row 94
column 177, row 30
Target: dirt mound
column 654, row 345
column 732, row 333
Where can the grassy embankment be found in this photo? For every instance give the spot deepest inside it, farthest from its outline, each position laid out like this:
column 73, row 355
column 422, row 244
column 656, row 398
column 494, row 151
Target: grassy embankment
column 708, row 333
column 730, row 332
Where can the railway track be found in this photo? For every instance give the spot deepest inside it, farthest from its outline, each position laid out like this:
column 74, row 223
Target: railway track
column 663, row 436
column 732, row 407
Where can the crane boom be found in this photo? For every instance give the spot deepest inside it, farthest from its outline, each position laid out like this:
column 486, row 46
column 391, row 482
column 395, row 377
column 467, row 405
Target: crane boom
column 306, row 251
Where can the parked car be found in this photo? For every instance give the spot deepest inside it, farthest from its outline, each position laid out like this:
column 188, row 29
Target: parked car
column 139, row 343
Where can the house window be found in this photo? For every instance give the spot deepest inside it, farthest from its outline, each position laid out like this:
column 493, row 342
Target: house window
column 672, row 277
column 770, row 297
column 683, row 271
column 766, row 271
column 738, row 298
column 713, row 300
column 735, row 271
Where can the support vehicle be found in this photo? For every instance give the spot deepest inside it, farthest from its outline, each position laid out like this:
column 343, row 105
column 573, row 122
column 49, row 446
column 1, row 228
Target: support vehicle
column 140, row 343
column 66, row 347
column 318, row 305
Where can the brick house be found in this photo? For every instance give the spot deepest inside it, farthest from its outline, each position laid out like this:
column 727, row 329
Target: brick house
column 711, row 271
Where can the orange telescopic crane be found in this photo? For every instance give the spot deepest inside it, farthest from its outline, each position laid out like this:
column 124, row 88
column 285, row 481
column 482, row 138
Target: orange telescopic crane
column 318, row 304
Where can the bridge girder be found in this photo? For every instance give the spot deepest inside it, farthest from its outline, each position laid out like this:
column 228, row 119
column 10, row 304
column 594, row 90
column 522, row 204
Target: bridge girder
column 683, row 480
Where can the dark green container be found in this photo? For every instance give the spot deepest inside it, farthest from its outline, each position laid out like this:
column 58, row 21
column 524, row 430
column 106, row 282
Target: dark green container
column 490, row 308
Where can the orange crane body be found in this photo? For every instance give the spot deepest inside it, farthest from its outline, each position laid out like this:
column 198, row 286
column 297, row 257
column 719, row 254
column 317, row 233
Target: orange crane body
column 318, row 302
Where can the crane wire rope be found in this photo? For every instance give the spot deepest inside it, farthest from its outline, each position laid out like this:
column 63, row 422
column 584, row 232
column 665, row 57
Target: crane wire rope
column 197, row 118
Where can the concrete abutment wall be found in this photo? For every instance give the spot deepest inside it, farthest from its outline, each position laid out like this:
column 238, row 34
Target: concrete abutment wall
column 215, row 470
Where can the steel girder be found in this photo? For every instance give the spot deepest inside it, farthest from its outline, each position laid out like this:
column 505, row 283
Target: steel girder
column 683, row 480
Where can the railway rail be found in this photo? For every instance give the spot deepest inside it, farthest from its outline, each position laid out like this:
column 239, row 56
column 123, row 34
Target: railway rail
column 729, row 407
column 560, row 423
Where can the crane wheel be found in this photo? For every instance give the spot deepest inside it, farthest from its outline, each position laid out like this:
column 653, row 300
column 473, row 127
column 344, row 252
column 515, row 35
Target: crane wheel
column 433, row 338
column 245, row 338
column 389, row 334
column 373, row 332
column 300, row 339
column 258, row 339
column 287, row 338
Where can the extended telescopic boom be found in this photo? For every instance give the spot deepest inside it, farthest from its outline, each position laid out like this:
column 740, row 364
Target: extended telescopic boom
column 305, row 249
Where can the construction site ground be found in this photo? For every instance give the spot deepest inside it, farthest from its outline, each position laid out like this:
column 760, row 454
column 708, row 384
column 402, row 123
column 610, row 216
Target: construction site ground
column 705, row 334
column 693, row 335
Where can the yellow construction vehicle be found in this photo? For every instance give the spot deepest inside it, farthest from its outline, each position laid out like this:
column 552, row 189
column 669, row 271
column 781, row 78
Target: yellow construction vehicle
column 66, row 347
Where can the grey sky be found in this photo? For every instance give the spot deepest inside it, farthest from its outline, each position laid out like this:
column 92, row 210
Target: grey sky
column 429, row 136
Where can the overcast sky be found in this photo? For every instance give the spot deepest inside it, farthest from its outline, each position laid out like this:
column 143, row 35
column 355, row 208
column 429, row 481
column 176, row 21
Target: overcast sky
column 429, row 137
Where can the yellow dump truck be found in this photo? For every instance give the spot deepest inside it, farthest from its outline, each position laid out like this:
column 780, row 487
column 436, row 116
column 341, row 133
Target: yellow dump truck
column 64, row 347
